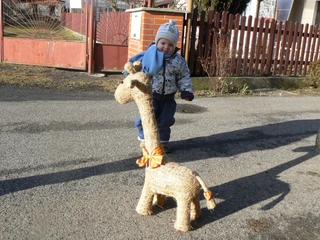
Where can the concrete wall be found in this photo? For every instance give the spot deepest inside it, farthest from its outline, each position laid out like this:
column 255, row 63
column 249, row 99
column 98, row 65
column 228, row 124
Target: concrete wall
column 309, row 11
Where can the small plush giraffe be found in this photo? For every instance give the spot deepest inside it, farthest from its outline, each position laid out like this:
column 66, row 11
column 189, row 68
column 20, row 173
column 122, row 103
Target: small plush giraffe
column 162, row 178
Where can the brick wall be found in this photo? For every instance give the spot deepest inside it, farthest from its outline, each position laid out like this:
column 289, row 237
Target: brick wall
column 151, row 20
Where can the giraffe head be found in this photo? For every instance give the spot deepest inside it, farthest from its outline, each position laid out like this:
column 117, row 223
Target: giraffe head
column 135, row 86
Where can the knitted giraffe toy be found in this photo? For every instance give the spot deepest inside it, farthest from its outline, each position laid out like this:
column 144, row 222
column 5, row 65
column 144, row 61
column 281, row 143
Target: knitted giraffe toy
column 161, row 177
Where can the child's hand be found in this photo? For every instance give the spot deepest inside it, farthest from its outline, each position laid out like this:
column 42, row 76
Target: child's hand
column 188, row 96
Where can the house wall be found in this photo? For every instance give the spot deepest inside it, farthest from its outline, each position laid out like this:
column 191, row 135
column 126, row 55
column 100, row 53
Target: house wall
column 309, row 12
column 296, row 13
column 301, row 11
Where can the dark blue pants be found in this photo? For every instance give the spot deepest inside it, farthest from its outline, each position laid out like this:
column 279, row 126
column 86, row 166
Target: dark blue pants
column 164, row 112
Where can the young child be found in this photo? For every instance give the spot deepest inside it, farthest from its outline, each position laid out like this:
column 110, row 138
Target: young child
column 170, row 74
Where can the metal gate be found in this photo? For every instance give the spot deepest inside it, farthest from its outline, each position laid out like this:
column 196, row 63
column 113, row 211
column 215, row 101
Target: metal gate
column 111, row 40
column 43, row 33
column 46, row 33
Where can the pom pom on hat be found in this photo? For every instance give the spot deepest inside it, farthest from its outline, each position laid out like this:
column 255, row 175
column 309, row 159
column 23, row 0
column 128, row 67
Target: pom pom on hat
column 168, row 31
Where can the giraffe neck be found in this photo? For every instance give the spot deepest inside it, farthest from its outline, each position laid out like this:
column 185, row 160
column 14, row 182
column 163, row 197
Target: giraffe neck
column 149, row 124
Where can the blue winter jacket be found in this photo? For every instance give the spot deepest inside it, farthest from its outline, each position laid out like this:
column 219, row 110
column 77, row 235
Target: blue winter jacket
column 173, row 74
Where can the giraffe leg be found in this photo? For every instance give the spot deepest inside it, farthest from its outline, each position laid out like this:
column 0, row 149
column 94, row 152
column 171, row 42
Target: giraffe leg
column 195, row 211
column 183, row 216
column 159, row 200
column 144, row 206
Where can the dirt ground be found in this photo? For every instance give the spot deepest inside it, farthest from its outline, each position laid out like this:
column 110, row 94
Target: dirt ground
column 53, row 78
column 56, row 78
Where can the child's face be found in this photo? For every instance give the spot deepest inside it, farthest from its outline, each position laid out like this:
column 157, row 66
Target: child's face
column 165, row 46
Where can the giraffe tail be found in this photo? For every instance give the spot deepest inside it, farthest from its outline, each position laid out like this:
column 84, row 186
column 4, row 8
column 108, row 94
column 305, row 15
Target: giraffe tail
column 211, row 204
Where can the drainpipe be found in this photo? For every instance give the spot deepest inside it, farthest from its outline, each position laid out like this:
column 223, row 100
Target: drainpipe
column 1, row 32
column 91, row 38
column 258, row 8
column 276, row 12
column 189, row 16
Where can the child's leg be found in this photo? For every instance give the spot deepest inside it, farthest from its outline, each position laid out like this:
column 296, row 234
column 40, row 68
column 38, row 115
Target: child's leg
column 165, row 111
column 138, row 125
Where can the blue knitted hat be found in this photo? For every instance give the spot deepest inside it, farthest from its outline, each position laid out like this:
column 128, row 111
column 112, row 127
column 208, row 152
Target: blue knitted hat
column 168, row 31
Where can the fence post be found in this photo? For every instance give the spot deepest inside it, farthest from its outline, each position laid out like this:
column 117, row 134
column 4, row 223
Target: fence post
column 1, row 31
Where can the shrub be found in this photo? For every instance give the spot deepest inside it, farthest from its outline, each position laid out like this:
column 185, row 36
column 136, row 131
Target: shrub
column 218, row 72
column 313, row 77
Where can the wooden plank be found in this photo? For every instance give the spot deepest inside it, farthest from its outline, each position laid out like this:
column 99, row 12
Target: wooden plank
column 192, row 55
column 224, row 43
column 242, row 32
column 246, row 46
column 208, row 35
column 200, row 41
column 253, row 45
column 234, row 43
column 314, row 38
column 302, row 55
column 270, row 45
column 293, row 48
column 288, row 49
column 258, row 46
column 264, row 46
column 224, row 27
column 309, row 36
column 229, row 27
column 297, row 56
column 283, row 47
column 317, row 49
column 276, row 53
column 215, row 43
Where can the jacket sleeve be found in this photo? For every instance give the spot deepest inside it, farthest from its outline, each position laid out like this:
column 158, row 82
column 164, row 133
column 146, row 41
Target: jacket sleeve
column 184, row 82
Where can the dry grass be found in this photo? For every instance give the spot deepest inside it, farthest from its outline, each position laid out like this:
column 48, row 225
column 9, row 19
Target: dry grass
column 45, row 77
column 53, row 78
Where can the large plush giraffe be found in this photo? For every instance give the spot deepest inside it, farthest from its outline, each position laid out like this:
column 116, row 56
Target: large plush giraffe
column 162, row 177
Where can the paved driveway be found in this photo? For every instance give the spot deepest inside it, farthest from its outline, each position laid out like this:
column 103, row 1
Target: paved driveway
column 68, row 167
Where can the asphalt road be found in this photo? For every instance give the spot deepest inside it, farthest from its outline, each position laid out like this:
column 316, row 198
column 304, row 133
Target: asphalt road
column 68, row 167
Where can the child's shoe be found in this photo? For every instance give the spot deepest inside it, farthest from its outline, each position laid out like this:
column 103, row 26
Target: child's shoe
column 165, row 147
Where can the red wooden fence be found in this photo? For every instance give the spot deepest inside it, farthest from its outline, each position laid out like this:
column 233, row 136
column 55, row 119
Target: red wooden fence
column 243, row 46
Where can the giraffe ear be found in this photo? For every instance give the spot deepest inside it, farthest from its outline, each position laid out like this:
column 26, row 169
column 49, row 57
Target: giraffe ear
column 129, row 67
column 137, row 66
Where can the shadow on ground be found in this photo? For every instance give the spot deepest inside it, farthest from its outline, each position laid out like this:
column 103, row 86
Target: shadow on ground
column 237, row 194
